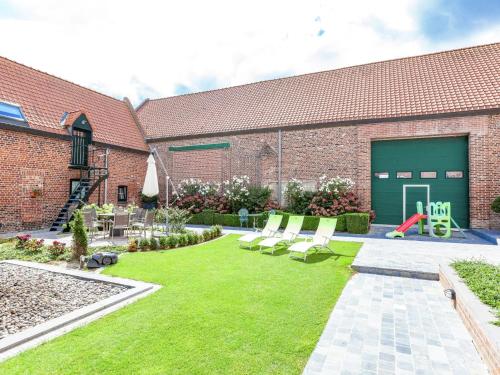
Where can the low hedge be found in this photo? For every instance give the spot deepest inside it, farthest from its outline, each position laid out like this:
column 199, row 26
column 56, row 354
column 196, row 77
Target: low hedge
column 209, row 217
column 357, row 223
column 311, row 222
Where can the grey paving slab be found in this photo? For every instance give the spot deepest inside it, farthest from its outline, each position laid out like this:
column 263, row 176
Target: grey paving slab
column 394, row 325
column 416, row 258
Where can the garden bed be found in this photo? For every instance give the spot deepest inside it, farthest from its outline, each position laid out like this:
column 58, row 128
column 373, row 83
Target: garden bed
column 39, row 302
column 478, row 317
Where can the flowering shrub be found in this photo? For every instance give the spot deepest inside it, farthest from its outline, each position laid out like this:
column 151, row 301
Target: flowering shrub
column 297, row 199
column 33, row 246
column 236, row 191
column 193, row 186
column 21, row 240
column 336, row 185
column 56, row 249
column 330, row 204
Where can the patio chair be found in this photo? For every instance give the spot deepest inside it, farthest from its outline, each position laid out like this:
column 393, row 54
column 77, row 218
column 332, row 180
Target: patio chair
column 292, row 230
column 320, row 240
column 146, row 222
column 270, row 230
column 243, row 214
column 121, row 221
column 90, row 221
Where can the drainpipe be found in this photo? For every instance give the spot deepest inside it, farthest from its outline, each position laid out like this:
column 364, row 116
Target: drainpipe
column 279, row 165
column 106, row 180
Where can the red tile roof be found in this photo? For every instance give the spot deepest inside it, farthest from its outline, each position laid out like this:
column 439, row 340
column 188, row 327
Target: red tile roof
column 452, row 81
column 44, row 98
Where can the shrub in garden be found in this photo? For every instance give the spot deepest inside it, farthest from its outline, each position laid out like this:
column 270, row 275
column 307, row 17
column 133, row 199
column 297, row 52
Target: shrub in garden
column 21, row 240
column 144, row 244
column 56, row 249
column 192, row 238
column 218, row 230
column 330, row 204
column 358, row 223
column 173, row 240
column 183, row 240
column 495, row 205
column 163, row 242
column 258, row 198
column 236, row 192
column 133, row 245
column 297, row 199
column 33, row 246
column 153, row 243
column 177, row 219
column 206, row 235
column 80, row 240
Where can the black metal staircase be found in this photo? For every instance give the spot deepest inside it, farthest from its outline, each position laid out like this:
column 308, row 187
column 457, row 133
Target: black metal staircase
column 91, row 177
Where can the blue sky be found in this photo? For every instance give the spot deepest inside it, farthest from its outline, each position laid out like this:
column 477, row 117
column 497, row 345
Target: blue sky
column 156, row 49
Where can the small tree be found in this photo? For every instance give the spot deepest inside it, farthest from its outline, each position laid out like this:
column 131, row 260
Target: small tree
column 80, row 240
column 495, row 205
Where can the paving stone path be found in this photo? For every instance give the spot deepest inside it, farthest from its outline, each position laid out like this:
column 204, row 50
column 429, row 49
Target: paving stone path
column 394, row 325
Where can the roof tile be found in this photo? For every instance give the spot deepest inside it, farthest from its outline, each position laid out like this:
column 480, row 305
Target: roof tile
column 451, row 81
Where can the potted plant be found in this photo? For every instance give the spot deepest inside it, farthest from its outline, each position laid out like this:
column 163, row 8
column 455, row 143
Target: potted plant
column 149, row 203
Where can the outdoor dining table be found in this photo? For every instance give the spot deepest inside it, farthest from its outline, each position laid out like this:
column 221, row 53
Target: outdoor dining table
column 107, row 218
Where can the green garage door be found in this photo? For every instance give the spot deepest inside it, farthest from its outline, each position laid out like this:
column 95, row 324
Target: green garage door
column 406, row 171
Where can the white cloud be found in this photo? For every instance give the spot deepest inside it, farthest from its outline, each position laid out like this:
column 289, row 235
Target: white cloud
column 149, row 47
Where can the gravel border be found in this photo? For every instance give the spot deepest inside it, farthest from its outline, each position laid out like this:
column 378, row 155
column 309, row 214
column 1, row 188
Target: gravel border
column 13, row 344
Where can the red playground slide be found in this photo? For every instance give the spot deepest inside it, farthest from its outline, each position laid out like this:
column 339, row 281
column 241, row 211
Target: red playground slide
column 399, row 231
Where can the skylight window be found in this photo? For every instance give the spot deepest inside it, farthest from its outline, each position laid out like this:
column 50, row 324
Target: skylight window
column 11, row 111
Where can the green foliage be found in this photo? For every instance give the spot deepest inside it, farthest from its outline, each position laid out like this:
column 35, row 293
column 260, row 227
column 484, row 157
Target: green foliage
column 258, row 197
column 164, row 243
column 495, row 205
column 183, row 240
column 56, row 249
column 144, row 244
column 311, row 222
column 218, row 230
column 80, row 240
column 483, row 279
column 206, row 235
column 173, row 240
column 177, row 219
column 297, row 199
column 153, row 243
column 358, row 222
column 146, row 199
column 192, row 238
column 106, row 208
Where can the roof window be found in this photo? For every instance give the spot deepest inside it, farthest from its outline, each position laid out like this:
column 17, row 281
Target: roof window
column 11, row 114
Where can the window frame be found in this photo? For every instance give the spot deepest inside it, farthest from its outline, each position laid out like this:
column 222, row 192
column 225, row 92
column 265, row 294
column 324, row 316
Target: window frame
column 428, row 178
column 118, row 194
column 404, row 178
column 454, row 178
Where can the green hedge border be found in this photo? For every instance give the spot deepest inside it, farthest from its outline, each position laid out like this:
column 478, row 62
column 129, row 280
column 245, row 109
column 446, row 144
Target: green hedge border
column 355, row 223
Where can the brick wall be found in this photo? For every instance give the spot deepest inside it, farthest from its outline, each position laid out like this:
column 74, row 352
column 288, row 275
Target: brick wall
column 32, row 162
column 344, row 151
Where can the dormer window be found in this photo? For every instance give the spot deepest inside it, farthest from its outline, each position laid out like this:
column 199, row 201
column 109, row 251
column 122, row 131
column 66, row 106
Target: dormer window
column 12, row 114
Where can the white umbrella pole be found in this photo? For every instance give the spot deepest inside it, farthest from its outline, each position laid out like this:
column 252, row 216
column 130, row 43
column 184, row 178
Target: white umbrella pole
column 166, row 204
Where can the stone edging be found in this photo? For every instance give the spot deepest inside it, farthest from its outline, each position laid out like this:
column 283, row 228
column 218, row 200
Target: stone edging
column 31, row 337
column 476, row 316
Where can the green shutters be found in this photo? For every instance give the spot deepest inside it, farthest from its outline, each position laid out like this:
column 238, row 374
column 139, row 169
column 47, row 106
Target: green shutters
column 405, row 171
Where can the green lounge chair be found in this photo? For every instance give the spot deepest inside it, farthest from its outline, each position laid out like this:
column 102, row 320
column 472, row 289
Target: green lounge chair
column 292, row 230
column 270, row 230
column 320, row 240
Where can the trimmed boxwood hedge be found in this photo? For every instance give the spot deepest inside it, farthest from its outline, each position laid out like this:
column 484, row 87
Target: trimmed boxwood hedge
column 358, row 222
column 353, row 222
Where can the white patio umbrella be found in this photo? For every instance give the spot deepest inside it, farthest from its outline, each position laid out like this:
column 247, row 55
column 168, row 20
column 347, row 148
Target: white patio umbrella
column 150, row 188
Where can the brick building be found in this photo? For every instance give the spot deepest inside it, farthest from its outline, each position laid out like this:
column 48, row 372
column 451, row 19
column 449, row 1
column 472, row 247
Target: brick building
column 418, row 128
column 56, row 138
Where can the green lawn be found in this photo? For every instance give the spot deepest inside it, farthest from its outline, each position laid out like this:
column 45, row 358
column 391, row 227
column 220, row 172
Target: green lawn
column 222, row 310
